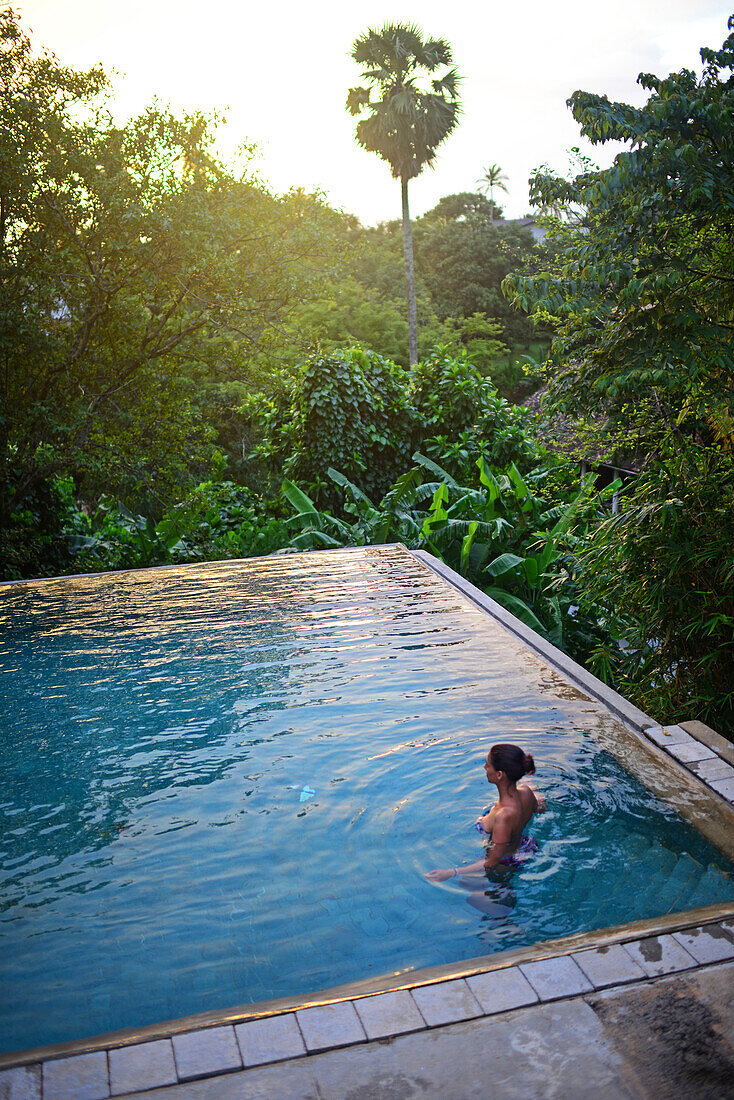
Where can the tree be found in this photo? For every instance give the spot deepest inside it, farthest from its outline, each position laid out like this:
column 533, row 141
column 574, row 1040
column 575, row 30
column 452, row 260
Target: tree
column 644, row 290
column 492, row 177
column 405, row 124
column 463, row 258
column 643, row 294
column 127, row 256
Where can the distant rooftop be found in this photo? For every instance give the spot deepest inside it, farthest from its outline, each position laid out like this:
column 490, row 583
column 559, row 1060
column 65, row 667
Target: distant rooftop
column 538, row 231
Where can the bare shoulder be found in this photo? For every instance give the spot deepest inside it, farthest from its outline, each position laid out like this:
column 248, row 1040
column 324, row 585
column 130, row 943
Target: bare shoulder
column 533, row 800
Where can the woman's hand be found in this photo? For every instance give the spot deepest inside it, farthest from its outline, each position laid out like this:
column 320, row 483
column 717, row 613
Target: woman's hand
column 441, row 874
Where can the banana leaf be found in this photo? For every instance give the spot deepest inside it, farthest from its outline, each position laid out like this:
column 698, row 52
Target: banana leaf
column 519, row 609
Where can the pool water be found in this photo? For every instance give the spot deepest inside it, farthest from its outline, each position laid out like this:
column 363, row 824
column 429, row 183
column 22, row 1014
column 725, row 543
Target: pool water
column 223, row 783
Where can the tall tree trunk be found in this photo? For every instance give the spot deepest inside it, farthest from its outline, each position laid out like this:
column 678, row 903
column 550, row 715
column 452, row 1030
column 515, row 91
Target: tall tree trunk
column 409, row 277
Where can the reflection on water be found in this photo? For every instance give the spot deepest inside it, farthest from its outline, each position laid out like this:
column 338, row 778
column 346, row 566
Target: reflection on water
column 223, row 783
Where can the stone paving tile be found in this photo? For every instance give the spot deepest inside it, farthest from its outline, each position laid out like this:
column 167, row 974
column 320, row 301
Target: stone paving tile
column 501, row 990
column 704, row 733
column 707, row 945
column 659, row 955
column 388, row 1014
column 560, row 977
column 688, row 753
column 610, row 965
column 723, row 786
column 330, row 1026
column 143, row 1066
column 290, row 1080
column 201, row 1053
column 446, row 1002
column 270, row 1040
column 670, row 735
column 83, row 1077
column 713, row 769
column 20, row 1083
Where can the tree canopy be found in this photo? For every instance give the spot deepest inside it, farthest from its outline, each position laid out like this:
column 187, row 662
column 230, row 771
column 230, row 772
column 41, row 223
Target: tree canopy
column 643, row 295
column 644, row 290
column 126, row 253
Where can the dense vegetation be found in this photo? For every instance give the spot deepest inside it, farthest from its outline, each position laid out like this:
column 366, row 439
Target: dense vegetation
column 195, row 368
column 643, row 301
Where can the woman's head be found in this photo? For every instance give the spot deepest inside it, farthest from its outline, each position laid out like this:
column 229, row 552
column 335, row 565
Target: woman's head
column 511, row 760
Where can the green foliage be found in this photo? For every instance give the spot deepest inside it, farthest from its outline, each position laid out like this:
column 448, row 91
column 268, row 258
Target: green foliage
column 643, row 294
column 128, row 256
column 225, row 520
column 215, row 521
column 364, row 415
column 462, row 417
column 458, row 290
column 644, row 291
column 463, row 258
column 350, row 408
column 352, row 313
column 667, row 560
column 35, row 542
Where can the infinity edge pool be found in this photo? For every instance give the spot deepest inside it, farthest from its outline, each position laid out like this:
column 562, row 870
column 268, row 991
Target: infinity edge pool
column 707, row 809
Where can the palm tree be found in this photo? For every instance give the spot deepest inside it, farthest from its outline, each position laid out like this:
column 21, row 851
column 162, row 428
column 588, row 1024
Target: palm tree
column 404, row 123
column 493, row 177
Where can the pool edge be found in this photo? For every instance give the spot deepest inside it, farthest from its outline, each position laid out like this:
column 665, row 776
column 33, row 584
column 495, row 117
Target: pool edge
column 371, row 987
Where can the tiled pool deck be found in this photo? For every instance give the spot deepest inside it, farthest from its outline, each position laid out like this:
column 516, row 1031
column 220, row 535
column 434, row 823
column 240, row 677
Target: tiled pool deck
column 232, row 1053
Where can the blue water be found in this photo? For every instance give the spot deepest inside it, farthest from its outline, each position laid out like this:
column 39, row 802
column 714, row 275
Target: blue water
column 223, row 783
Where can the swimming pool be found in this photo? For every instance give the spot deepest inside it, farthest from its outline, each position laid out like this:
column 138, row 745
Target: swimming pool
column 223, row 783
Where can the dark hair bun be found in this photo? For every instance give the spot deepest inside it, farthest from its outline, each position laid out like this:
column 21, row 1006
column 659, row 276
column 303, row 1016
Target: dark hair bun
column 511, row 760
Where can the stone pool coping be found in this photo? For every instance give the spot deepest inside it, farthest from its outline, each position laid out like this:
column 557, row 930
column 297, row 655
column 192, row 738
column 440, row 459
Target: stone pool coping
column 215, row 1042
column 526, row 977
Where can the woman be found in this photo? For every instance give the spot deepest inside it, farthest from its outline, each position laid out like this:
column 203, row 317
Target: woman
column 505, row 821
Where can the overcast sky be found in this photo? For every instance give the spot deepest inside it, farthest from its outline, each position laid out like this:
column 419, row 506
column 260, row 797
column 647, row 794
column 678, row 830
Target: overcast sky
column 282, row 70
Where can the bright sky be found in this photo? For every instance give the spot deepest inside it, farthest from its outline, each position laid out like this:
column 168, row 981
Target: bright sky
column 282, row 71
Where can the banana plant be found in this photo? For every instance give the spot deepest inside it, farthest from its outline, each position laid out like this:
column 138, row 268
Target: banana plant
column 531, row 573
column 318, row 530
column 391, row 520
column 451, row 528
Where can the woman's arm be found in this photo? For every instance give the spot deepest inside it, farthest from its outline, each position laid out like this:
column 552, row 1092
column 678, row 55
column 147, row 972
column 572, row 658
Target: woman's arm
column 501, row 837
column 442, row 873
